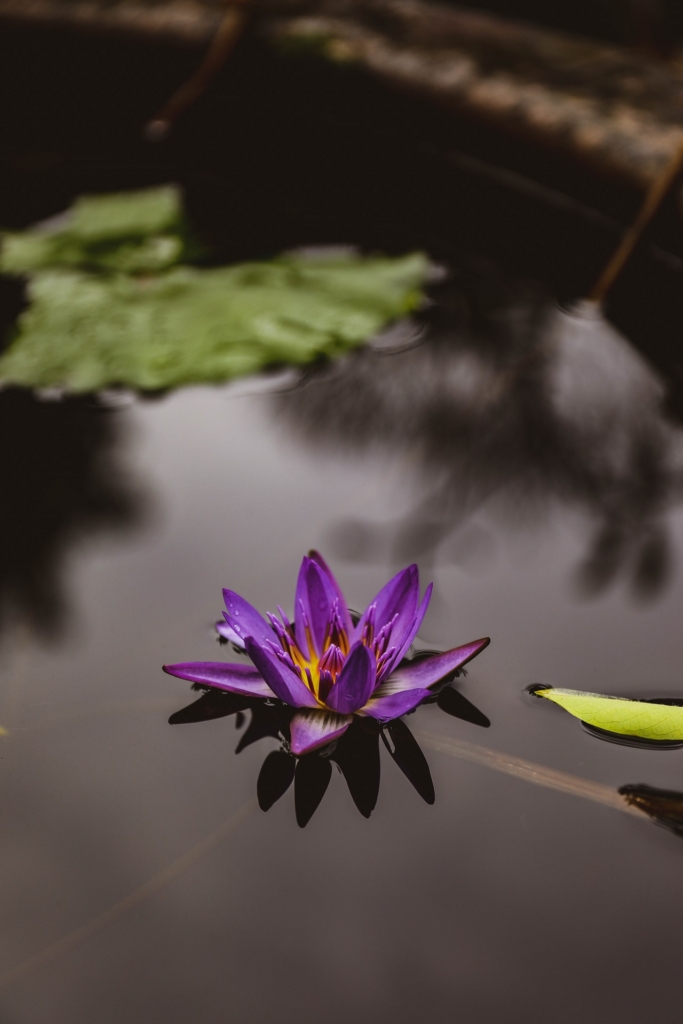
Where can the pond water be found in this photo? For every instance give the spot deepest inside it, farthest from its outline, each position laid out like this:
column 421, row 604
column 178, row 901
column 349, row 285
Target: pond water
column 537, row 486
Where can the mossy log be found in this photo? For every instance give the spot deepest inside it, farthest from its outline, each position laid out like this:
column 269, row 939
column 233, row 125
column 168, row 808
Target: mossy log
column 615, row 109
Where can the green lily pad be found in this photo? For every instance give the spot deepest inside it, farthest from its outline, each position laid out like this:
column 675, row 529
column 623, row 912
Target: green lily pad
column 638, row 718
column 129, row 232
column 84, row 331
column 112, row 301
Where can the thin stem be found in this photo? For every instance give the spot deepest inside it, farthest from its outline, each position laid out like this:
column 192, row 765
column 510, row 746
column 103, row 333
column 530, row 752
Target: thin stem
column 653, row 200
column 528, row 771
column 223, row 43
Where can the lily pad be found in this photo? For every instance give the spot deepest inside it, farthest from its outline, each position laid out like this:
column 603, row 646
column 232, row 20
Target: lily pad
column 643, row 719
column 83, row 332
column 129, row 232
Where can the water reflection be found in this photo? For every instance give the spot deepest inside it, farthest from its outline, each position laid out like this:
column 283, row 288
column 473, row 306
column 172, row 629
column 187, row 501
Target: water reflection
column 61, row 482
column 507, row 406
column 356, row 754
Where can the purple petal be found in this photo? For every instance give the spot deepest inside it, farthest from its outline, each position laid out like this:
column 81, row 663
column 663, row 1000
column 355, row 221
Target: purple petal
column 283, row 682
column 355, row 683
column 229, row 633
column 398, row 597
column 312, row 729
column 384, row 707
column 244, row 679
column 429, row 671
column 245, row 620
column 316, row 557
column 301, row 609
column 403, row 643
column 315, row 596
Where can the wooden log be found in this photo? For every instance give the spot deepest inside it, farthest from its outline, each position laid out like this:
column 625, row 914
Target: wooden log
column 189, row 22
column 615, row 109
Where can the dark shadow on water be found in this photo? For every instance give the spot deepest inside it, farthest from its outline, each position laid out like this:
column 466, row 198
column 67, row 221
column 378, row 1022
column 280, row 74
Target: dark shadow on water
column 62, row 482
column 509, row 407
column 355, row 754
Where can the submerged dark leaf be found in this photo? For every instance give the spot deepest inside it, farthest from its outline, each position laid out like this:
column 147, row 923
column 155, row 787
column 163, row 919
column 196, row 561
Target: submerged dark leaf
column 408, row 755
column 275, row 778
column 266, row 720
column 312, row 778
column 357, row 754
column 664, row 806
column 453, row 703
column 212, row 704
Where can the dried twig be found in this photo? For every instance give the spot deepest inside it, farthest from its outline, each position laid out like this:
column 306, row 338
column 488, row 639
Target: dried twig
column 654, row 198
column 529, row 771
column 223, row 43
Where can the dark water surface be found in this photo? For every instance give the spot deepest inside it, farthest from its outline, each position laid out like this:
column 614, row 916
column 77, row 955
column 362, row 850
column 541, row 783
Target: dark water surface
column 535, row 480
column 488, row 904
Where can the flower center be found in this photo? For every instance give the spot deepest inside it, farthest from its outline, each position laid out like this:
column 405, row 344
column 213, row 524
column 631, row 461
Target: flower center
column 320, row 673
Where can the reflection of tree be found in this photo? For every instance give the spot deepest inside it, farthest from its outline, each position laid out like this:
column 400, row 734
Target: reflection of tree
column 60, row 483
column 506, row 402
column 356, row 753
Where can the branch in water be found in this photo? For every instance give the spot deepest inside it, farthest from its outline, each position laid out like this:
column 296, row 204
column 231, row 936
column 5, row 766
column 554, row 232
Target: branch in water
column 528, row 771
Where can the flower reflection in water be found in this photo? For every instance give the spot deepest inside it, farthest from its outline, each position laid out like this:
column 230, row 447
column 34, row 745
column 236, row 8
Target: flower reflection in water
column 329, row 686
column 356, row 753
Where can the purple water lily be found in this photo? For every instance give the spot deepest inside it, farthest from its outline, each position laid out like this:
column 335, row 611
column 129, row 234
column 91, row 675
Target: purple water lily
column 325, row 666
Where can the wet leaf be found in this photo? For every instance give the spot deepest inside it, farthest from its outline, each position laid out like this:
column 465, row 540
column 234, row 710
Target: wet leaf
column 648, row 720
column 408, row 755
column 212, row 704
column 312, row 778
column 453, row 703
column 275, row 778
column 85, row 331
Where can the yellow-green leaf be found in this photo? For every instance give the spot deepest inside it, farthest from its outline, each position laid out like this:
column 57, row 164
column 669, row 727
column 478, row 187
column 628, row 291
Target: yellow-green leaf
column 618, row 715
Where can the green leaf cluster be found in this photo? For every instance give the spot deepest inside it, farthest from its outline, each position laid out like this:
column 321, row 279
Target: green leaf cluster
column 126, row 232
column 110, row 303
